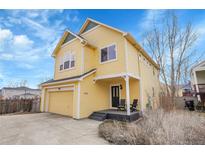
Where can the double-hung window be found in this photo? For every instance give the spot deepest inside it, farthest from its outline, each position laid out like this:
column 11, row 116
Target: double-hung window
column 72, row 60
column 108, row 53
column 68, row 61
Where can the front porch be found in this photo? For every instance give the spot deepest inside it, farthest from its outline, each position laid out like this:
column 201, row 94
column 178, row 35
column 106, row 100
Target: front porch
column 115, row 114
column 117, row 89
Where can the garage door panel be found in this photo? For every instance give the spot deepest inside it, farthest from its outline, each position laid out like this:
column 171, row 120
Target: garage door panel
column 61, row 102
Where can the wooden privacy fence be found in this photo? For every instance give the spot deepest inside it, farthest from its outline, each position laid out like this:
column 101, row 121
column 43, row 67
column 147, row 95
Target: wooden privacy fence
column 179, row 102
column 19, row 105
column 166, row 103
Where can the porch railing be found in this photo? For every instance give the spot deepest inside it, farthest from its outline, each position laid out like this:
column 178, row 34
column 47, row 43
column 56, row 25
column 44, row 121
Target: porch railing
column 201, row 88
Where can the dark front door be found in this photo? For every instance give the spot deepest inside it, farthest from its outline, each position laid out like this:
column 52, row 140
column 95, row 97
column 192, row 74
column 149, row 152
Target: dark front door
column 115, row 95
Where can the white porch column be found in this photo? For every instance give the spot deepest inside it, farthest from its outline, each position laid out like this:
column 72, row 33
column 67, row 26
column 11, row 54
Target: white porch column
column 197, row 87
column 127, row 94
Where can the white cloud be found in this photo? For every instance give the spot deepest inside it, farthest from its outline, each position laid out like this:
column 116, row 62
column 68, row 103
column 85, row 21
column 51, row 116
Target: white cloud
column 17, row 48
column 30, row 51
column 6, row 56
column 150, row 16
column 1, row 76
column 75, row 19
column 41, row 31
column 22, row 42
column 25, row 65
column 41, row 15
column 5, row 34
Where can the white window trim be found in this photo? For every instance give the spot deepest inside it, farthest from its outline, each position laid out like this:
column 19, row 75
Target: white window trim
column 70, row 68
column 108, row 61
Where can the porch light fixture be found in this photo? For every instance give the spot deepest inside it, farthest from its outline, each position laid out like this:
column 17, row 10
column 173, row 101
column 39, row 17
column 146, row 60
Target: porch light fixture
column 120, row 86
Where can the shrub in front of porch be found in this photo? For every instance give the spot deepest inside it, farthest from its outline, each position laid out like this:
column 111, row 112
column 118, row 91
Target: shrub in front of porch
column 157, row 127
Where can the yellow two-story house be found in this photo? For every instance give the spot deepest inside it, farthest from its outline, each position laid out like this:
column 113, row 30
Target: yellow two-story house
column 95, row 69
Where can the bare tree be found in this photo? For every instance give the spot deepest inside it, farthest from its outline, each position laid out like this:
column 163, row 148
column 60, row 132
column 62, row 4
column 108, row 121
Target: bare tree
column 171, row 45
column 23, row 83
column 13, row 84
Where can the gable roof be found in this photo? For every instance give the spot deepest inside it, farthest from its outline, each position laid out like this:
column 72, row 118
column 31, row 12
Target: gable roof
column 88, row 20
column 62, row 39
column 127, row 35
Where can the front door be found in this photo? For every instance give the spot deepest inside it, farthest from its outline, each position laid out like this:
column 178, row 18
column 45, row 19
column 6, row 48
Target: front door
column 115, row 96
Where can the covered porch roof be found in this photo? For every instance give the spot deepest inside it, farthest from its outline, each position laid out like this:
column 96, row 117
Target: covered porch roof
column 120, row 75
column 128, row 78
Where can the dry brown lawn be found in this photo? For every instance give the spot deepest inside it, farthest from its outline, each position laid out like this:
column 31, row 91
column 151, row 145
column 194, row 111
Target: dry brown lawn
column 157, row 127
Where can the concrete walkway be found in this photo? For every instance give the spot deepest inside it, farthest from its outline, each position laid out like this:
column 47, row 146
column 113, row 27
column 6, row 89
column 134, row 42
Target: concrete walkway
column 46, row 128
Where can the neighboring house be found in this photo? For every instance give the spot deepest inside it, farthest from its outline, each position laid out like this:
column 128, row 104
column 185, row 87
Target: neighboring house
column 187, row 89
column 96, row 68
column 19, row 92
column 198, row 80
column 181, row 90
column 1, row 97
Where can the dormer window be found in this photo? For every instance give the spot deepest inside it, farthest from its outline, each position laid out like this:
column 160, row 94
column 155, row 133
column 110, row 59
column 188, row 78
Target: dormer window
column 108, row 53
column 68, row 61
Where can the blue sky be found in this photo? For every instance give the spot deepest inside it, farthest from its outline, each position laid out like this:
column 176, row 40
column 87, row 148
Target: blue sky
column 28, row 37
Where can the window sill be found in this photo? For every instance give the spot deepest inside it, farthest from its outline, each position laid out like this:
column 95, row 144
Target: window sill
column 65, row 70
column 108, row 61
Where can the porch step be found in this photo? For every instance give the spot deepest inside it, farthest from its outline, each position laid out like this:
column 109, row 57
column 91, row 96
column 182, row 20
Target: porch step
column 98, row 116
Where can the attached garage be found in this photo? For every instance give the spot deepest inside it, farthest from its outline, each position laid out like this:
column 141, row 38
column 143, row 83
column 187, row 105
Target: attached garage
column 61, row 102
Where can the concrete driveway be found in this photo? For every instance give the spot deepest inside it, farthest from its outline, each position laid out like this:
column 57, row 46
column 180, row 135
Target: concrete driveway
column 47, row 128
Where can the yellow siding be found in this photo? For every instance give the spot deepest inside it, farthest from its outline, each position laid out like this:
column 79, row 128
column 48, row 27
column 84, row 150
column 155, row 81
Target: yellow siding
column 93, row 97
column 102, row 37
column 96, row 96
column 76, row 48
column 132, row 59
column 149, row 81
column 89, row 59
column 135, row 91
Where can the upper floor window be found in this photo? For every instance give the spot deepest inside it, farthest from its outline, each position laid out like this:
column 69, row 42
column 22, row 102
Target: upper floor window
column 108, row 53
column 61, row 64
column 68, row 61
